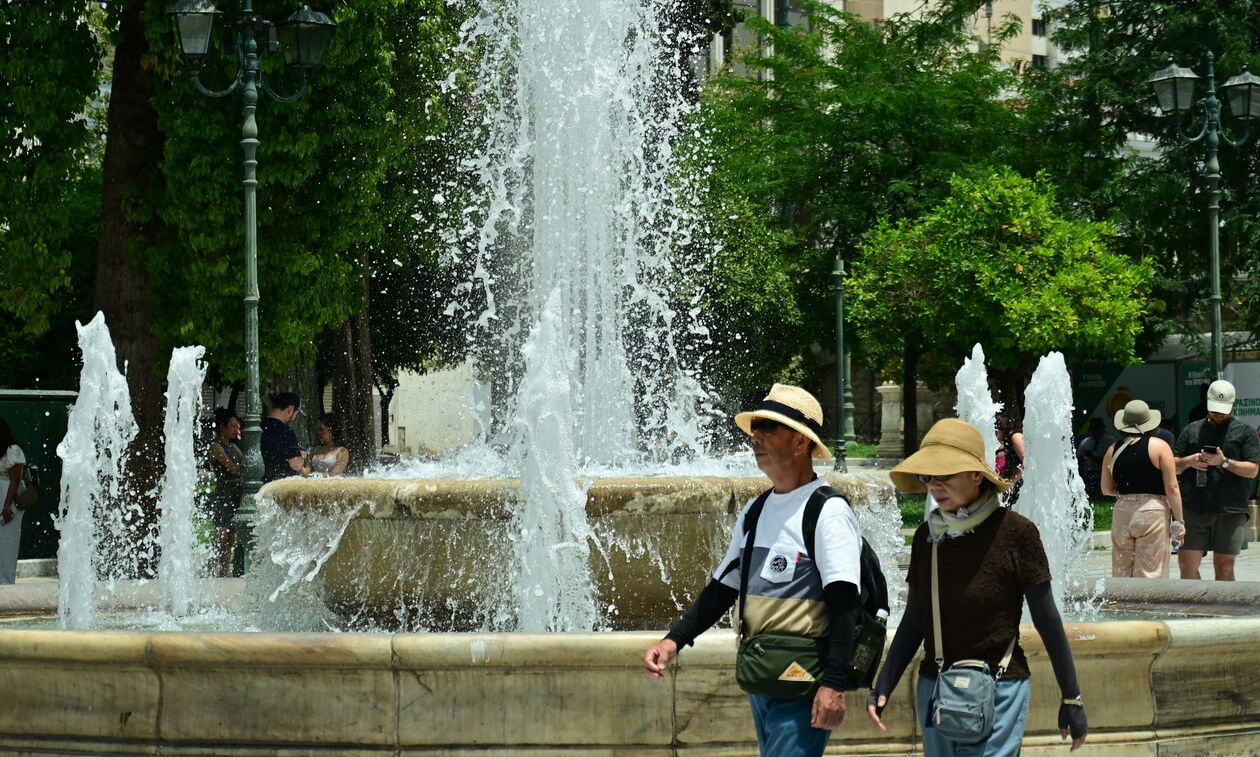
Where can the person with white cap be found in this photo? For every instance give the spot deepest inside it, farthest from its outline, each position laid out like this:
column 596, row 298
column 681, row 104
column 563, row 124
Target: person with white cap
column 973, row 564
column 1139, row 471
column 1216, row 459
column 790, row 589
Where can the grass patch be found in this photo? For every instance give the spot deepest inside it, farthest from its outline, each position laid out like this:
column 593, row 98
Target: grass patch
column 1102, row 513
column 859, row 450
column 913, row 504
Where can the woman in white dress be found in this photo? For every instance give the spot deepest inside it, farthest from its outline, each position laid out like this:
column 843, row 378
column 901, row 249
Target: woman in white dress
column 12, row 461
column 327, row 458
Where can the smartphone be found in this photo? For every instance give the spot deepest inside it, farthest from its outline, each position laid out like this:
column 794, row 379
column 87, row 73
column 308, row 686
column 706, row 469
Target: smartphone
column 1211, row 450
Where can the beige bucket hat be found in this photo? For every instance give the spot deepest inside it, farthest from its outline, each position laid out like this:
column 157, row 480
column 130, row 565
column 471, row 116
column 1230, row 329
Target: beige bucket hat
column 1136, row 418
column 793, row 407
column 951, row 446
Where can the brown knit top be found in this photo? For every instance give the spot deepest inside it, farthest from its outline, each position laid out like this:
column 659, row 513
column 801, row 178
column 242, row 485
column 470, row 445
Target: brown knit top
column 983, row 577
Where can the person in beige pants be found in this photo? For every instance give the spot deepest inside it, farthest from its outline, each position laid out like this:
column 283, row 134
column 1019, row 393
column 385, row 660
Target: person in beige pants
column 1139, row 470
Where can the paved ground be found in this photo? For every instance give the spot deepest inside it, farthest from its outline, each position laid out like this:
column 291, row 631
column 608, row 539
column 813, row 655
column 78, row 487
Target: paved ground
column 1246, row 567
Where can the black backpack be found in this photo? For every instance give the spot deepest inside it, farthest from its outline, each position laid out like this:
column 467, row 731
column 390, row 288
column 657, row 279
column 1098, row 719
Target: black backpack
column 873, row 593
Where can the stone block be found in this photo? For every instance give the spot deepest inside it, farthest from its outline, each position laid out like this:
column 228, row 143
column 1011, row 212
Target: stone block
column 1208, row 673
column 95, row 685
column 582, row 691
column 276, row 689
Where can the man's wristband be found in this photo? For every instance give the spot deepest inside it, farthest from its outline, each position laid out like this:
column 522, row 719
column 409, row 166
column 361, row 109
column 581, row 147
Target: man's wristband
column 1076, row 701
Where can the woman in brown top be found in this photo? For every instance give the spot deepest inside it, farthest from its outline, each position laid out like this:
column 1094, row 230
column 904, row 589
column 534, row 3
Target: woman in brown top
column 1139, row 470
column 990, row 561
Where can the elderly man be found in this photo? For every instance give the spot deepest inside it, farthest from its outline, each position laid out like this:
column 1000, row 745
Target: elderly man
column 1216, row 459
column 787, row 590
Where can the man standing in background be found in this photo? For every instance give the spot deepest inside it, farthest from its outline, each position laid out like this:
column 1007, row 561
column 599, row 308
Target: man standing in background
column 1216, row 459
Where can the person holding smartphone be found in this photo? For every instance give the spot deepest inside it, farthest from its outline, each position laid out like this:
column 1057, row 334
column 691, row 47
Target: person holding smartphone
column 1216, row 459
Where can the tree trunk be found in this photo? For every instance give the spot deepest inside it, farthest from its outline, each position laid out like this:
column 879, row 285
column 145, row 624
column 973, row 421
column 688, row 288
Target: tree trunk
column 352, row 388
column 386, row 385
column 133, row 150
column 909, row 400
column 1010, row 385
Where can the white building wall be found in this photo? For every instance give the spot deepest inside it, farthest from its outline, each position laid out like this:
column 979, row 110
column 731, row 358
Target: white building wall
column 430, row 413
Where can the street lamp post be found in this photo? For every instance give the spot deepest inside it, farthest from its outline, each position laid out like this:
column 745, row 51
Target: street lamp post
column 1174, row 89
column 303, row 38
column 844, row 396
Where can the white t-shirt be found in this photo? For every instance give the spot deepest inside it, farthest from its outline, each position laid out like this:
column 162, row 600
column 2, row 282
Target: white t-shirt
column 837, row 540
column 12, row 456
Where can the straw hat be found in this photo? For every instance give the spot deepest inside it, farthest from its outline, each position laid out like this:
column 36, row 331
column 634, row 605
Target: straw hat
column 1136, row 418
column 793, row 407
column 952, row 446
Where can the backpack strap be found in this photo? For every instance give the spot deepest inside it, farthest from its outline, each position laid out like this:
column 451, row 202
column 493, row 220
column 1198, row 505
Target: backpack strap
column 813, row 509
column 745, row 557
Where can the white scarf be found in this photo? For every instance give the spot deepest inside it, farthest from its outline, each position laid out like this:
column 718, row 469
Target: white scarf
column 964, row 520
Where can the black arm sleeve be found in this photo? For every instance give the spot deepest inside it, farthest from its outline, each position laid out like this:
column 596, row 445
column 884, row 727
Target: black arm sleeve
column 905, row 644
column 844, row 610
column 1045, row 617
column 709, row 607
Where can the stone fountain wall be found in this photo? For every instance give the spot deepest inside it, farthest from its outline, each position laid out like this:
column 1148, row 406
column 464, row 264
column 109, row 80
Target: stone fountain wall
column 438, row 555
column 1152, row 688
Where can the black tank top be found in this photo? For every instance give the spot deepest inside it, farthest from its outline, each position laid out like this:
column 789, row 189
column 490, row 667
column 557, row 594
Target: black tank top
column 1133, row 471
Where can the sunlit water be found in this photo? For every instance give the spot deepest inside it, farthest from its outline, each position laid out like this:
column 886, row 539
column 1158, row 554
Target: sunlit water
column 93, row 506
column 182, row 557
column 1053, row 495
column 579, row 215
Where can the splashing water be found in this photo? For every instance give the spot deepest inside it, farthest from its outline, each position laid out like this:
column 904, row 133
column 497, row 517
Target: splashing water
column 580, row 213
column 1054, row 495
column 100, row 428
column 181, row 555
column 975, row 402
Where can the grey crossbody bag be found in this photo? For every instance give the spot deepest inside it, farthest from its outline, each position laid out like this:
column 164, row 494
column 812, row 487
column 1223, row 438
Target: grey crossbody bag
column 963, row 702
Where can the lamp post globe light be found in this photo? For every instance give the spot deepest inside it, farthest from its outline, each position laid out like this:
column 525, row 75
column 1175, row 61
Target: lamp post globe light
column 303, row 37
column 1174, row 90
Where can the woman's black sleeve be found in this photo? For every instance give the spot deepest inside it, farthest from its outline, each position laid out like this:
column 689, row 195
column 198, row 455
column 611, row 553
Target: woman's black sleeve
column 709, row 607
column 844, row 611
column 905, row 644
column 1045, row 617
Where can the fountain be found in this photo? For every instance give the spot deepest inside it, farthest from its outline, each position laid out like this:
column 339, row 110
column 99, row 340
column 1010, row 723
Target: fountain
column 577, row 165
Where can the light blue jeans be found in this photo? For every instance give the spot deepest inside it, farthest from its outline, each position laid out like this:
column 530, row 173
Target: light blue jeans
column 783, row 728
column 1010, row 714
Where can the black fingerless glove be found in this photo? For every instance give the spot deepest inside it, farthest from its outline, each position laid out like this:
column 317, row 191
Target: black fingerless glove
column 872, row 700
column 1072, row 717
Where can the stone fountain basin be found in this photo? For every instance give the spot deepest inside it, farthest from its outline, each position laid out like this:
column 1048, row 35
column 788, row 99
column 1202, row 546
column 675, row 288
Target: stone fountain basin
column 438, row 555
column 1184, row 687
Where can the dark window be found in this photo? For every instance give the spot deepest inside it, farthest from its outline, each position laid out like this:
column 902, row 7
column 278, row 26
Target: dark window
column 1039, row 27
column 1039, row 61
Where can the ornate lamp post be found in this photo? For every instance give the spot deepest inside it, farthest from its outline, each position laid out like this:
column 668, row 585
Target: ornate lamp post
column 844, row 396
column 303, row 37
column 1174, row 89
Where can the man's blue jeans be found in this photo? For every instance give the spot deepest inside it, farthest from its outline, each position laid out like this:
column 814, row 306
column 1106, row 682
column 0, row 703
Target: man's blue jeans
column 783, row 728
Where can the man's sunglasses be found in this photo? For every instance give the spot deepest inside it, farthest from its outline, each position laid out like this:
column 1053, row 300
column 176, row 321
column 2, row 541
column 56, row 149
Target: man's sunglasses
column 924, row 478
column 765, row 425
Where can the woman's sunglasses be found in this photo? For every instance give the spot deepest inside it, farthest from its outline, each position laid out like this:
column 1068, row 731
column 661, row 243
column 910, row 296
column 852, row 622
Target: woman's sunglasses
column 924, row 478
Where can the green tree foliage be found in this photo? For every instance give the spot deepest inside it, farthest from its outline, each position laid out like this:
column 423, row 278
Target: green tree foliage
column 1081, row 116
column 410, row 288
column 322, row 160
column 998, row 263
column 842, row 124
column 49, row 74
